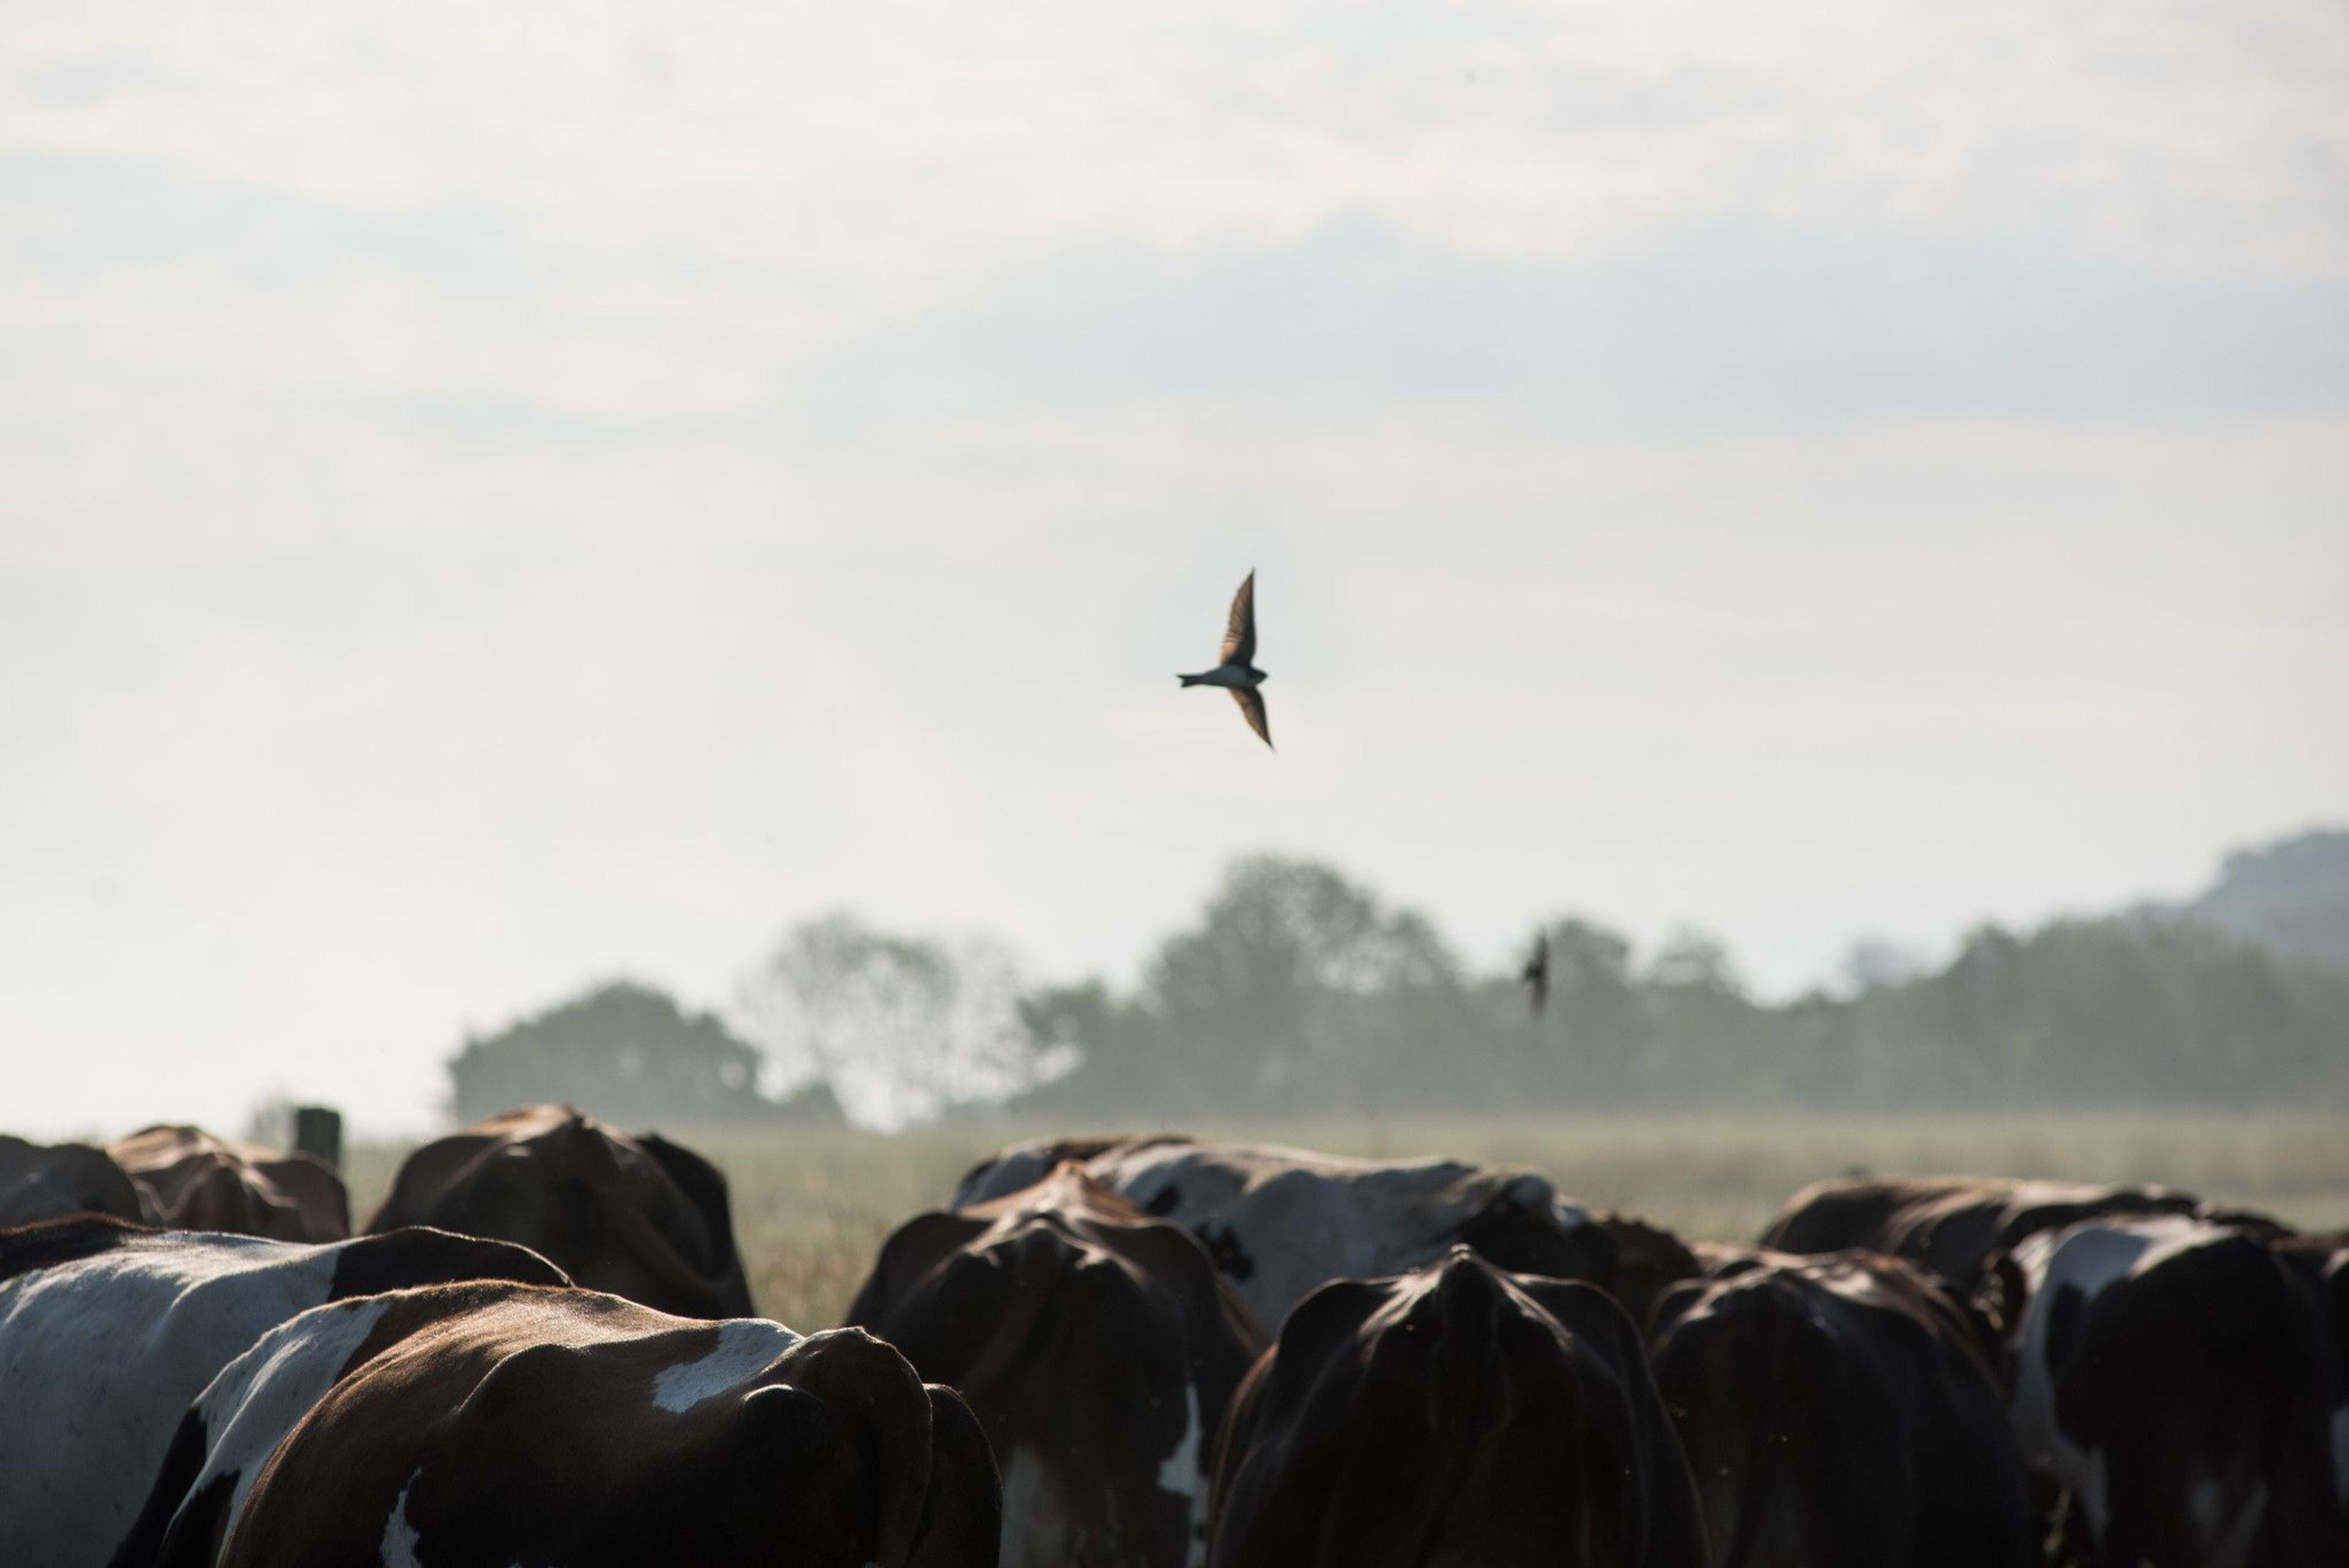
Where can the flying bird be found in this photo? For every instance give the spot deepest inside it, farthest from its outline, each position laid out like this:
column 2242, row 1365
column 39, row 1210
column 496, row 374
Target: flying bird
column 1237, row 672
column 1535, row 974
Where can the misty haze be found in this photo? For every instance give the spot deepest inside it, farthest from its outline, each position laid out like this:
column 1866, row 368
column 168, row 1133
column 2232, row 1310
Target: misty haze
column 621, row 688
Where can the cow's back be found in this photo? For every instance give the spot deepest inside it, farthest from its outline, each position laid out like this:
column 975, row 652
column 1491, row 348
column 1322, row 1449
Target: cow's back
column 484, row 1425
column 190, row 1179
column 1459, row 1415
column 107, row 1332
column 51, row 1181
column 1099, row 1348
column 1950, row 1224
column 1839, row 1413
column 1279, row 1223
column 632, row 1214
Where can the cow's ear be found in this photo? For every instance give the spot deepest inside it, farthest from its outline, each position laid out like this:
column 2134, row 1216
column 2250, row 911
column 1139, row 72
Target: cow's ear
column 872, row 1388
column 962, row 1508
column 906, row 1261
column 1998, row 1299
column 1995, row 1307
column 1671, row 1304
column 150, row 1202
column 800, row 1431
column 1527, row 1236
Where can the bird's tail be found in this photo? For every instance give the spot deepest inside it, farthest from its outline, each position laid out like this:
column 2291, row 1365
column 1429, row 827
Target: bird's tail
column 1190, row 680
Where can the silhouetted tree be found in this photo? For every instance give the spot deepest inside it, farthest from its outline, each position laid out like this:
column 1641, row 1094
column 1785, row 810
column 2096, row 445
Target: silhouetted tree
column 1297, row 988
column 1299, row 991
column 627, row 1053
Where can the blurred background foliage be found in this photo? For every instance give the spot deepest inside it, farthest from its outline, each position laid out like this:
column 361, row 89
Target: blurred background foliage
column 1297, row 991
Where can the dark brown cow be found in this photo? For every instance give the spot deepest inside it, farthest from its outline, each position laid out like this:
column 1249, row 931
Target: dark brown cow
column 1099, row 1347
column 1950, row 1223
column 2319, row 1265
column 49, row 1181
column 481, row 1426
column 1457, row 1416
column 637, row 1216
column 190, row 1179
column 1839, row 1412
column 2169, row 1375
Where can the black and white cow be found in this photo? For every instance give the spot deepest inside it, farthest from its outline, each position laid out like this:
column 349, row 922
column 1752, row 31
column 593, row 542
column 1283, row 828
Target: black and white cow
column 1282, row 1221
column 1099, row 1348
column 478, row 1426
column 2167, row 1373
column 108, row 1330
column 1950, row 1224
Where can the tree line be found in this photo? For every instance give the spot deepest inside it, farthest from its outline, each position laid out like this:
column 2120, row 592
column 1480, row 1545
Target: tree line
column 1297, row 992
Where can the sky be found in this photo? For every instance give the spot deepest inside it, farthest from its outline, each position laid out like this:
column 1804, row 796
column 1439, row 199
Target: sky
column 496, row 497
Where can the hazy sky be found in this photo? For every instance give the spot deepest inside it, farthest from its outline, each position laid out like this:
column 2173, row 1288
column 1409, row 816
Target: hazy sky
column 492, row 496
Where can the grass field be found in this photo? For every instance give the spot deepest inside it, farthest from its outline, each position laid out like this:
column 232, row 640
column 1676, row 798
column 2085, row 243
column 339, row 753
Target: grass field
column 811, row 1207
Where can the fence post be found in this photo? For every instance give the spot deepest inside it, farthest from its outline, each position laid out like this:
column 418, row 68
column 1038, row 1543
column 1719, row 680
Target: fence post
column 318, row 1131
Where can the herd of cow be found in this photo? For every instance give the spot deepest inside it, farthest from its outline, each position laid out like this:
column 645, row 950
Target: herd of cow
column 1154, row 1352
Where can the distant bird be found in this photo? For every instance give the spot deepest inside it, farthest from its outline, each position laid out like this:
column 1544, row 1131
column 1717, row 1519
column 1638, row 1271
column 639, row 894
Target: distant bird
column 1236, row 673
column 1535, row 974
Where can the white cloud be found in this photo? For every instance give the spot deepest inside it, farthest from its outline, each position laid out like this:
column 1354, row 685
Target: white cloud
column 877, row 146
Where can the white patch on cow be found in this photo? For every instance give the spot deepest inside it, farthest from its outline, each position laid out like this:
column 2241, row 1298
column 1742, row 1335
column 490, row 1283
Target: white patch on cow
column 260, row 1397
column 746, row 1347
column 400, row 1538
column 1180, row 1471
column 2226, row 1527
column 98, row 1360
column 1179, row 1474
column 1036, row 1527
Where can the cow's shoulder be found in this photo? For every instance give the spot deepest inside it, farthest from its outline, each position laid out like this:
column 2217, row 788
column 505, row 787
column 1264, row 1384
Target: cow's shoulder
column 414, row 1255
column 47, row 1244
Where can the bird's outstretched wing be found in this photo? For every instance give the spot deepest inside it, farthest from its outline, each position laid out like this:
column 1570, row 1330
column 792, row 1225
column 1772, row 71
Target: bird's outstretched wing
column 1251, row 702
column 1240, row 631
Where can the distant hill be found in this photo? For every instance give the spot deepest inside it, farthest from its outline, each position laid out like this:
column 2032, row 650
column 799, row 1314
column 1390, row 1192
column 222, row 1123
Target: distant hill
column 2289, row 898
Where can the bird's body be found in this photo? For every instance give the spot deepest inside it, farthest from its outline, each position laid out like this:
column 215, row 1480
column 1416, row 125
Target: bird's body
column 1237, row 672
column 1249, row 677
column 1535, row 974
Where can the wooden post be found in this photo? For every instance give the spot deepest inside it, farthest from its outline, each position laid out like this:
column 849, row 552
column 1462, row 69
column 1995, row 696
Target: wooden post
column 318, row 1131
